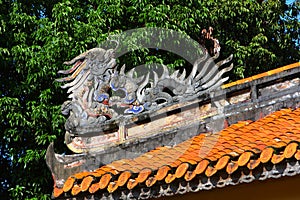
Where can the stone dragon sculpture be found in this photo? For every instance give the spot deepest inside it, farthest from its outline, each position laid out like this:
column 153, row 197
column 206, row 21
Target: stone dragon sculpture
column 94, row 77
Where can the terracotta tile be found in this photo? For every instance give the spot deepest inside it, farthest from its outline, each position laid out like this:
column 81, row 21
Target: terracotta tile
column 211, row 157
column 57, row 192
column 104, row 181
column 75, row 190
column 211, row 138
column 295, row 137
column 222, row 162
column 241, row 143
column 162, row 148
column 274, row 129
column 232, row 167
column 239, row 125
column 258, row 148
column 123, row 167
column 227, row 144
column 158, row 158
column 189, row 175
column 290, row 150
column 155, row 165
column 112, row 186
column 143, row 175
column 136, row 169
column 191, row 158
column 266, row 155
column 113, row 165
column 143, row 159
column 284, row 138
column 81, row 175
column 181, row 169
column 244, row 158
column 255, row 148
column 219, row 147
column 234, row 151
column 164, row 155
column 98, row 173
column 174, row 156
column 162, row 172
column 184, row 145
column 255, row 132
column 227, row 131
column 175, row 163
column 194, row 147
column 150, row 181
column 198, row 138
column 254, row 135
column 179, row 152
column 131, row 184
column 201, row 167
column 285, row 124
column 143, row 163
column 124, row 176
column 208, row 150
column 277, row 158
column 94, row 188
column 170, row 178
column 110, row 170
column 107, row 168
column 252, row 164
column 86, row 182
column 279, row 144
column 210, row 171
column 68, row 184
column 297, row 155
column 169, row 160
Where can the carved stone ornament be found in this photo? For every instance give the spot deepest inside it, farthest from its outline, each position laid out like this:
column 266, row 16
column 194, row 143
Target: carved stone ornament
column 94, row 76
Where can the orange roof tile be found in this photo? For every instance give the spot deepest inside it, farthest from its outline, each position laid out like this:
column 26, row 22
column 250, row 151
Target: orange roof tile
column 272, row 139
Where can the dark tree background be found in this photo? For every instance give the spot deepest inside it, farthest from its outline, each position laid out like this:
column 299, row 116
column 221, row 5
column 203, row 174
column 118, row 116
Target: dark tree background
column 37, row 36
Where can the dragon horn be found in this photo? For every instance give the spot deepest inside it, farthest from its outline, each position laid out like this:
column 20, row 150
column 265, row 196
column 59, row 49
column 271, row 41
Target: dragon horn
column 165, row 72
column 203, row 69
column 222, row 62
column 195, row 66
column 78, row 70
column 81, row 56
column 141, row 87
column 182, row 76
column 122, row 70
column 68, row 71
column 211, row 72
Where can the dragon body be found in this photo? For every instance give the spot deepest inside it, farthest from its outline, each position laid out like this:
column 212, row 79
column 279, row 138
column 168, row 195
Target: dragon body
column 93, row 79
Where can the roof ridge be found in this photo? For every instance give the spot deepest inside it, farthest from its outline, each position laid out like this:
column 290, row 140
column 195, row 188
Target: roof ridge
column 261, row 75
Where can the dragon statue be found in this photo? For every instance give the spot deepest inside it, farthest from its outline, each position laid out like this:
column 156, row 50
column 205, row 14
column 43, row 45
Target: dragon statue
column 94, row 77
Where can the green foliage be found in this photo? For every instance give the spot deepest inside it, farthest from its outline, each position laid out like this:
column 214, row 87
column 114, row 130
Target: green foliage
column 37, row 36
